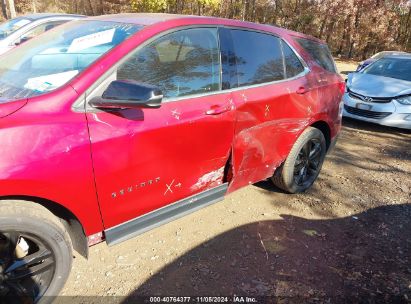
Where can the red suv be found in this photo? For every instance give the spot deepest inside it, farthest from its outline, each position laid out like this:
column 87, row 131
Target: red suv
column 113, row 125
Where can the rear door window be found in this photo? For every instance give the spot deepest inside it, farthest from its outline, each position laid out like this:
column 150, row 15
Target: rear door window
column 258, row 57
column 319, row 52
column 293, row 65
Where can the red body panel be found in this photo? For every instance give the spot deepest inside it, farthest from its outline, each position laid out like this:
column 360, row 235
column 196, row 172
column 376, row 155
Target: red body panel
column 45, row 153
column 107, row 168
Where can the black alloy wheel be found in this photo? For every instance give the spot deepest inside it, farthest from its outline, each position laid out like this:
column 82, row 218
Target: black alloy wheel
column 35, row 253
column 308, row 163
column 27, row 266
column 303, row 164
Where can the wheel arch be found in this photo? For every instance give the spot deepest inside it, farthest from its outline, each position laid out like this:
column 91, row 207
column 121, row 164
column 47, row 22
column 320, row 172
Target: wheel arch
column 325, row 129
column 69, row 220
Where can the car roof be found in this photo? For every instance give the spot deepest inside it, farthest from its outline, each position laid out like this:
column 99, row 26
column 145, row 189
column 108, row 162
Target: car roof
column 146, row 19
column 403, row 55
column 392, row 52
column 142, row 18
column 39, row 16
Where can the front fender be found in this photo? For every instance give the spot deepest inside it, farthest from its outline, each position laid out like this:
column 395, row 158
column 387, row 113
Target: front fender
column 47, row 155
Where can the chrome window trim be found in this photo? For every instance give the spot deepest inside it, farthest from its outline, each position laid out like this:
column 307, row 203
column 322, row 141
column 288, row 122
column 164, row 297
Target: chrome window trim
column 252, row 86
column 302, row 74
column 82, row 105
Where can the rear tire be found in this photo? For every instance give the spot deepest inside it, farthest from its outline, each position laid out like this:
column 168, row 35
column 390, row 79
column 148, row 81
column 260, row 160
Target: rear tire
column 35, row 253
column 303, row 164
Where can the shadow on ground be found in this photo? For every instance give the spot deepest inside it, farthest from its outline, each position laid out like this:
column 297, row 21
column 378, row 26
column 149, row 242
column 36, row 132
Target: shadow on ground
column 362, row 258
column 371, row 127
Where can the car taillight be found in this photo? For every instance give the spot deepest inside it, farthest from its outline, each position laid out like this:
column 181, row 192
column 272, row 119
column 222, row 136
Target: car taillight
column 341, row 85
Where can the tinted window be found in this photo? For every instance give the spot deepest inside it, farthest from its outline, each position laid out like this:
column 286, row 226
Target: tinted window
column 258, row 56
column 293, row 65
column 319, row 52
column 228, row 62
column 397, row 68
column 181, row 63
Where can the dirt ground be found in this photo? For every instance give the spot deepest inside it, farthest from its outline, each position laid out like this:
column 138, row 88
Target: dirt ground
column 345, row 240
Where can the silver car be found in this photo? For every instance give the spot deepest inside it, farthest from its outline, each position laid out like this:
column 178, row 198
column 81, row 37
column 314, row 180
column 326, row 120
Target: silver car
column 18, row 30
column 381, row 93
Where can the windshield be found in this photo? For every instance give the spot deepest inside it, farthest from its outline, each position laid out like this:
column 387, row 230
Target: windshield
column 398, row 68
column 49, row 61
column 9, row 27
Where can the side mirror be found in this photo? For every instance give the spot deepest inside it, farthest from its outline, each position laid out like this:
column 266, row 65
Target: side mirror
column 21, row 40
column 127, row 94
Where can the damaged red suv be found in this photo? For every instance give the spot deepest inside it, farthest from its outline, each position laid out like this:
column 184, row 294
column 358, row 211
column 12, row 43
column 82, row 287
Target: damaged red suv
column 113, row 125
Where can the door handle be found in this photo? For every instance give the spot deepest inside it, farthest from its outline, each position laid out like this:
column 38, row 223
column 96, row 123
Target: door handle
column 217, row 109
column 301, row 90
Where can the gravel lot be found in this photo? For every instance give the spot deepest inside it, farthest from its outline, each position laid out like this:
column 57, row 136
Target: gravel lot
column 346, row 240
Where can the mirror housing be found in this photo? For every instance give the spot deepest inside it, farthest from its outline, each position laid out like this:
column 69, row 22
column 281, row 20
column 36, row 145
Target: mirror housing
column 128, row 94
column 21, row 40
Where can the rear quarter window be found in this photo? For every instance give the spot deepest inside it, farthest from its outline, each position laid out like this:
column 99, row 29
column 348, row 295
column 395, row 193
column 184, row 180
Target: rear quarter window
column 319, row 52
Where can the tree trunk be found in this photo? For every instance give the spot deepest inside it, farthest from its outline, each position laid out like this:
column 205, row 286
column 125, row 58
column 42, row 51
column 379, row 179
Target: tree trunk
column 407, row 27
column 91, row 8
column 4, row 8
column 330, row 32
column 324, row 23
column 230, row 10
column 12, row 9
column 351, row 49
column 344, row 36
column 34, row 6
column 101, row 8
column 244, row 11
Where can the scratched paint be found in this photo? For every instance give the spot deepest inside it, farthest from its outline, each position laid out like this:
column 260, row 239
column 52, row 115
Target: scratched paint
column 169, row 187
column 176, row 114
column 209, row 180
column 172, row 186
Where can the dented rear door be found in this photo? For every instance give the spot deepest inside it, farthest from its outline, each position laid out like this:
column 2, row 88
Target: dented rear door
column 271, row 107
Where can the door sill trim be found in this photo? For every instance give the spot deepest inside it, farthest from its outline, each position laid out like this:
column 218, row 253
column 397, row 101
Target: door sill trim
column 164, row 215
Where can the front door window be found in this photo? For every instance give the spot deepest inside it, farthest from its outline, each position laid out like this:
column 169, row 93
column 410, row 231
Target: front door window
column 182, row 63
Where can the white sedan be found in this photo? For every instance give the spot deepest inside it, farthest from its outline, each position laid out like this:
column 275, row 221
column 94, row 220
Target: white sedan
column 381, row 93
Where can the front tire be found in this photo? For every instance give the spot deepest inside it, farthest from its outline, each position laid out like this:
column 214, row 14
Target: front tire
column 35, row 253
column 303, row 164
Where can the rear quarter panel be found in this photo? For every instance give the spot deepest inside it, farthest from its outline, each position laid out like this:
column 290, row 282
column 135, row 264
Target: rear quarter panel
column 271, row 117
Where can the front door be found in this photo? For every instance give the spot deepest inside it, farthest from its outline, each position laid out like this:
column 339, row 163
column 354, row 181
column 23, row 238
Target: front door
column 147, row 158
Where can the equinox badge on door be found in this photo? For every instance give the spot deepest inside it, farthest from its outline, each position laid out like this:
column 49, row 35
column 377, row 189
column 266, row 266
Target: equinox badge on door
column 136, row 186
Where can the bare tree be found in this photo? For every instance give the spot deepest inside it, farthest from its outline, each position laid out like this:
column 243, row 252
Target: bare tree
column 12, row 9
column 4, row 8
column 352, row 28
